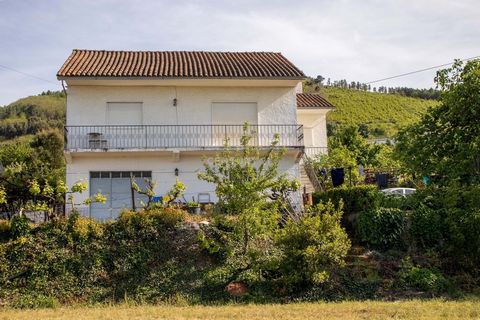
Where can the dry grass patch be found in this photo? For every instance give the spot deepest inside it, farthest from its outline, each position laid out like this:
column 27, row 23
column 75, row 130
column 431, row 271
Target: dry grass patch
column 433, row 309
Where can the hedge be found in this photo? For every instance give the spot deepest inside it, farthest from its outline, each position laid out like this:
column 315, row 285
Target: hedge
column 355, row 198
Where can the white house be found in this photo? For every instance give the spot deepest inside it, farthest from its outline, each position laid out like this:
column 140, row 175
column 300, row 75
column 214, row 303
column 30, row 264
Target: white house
column 157, row 114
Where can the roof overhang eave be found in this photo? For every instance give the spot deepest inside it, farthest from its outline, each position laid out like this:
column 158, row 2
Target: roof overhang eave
column 60, row 78
column 316, row 108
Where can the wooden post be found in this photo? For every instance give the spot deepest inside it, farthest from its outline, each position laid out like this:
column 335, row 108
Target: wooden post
column 309, row 199
column 132, row 192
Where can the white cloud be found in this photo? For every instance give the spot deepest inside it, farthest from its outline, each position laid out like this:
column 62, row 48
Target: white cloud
column 357, row 40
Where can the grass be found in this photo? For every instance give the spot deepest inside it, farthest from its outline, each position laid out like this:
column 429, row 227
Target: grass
column 415, row 309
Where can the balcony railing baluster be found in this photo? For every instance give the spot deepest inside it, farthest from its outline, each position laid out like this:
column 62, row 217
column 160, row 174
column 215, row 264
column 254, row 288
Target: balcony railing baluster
column 176, row 136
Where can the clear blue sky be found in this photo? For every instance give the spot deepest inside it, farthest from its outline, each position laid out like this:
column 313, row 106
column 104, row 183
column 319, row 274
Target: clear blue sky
column 357, row 40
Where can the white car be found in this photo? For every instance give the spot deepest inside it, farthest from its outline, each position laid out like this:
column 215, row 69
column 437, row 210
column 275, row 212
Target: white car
column 399, row 191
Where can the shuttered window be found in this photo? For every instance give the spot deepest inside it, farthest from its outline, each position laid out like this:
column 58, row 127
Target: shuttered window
column 124, row 113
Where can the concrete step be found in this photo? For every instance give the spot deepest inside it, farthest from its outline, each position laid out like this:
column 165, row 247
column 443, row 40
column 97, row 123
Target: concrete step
column 305, row 181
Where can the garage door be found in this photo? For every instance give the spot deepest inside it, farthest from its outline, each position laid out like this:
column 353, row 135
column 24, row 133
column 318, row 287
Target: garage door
column 115, row 185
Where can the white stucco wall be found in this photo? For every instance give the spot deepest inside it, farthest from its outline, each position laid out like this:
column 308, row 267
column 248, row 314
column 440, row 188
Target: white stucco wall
column 162, row 167
column 315, row 127
column 86, row 105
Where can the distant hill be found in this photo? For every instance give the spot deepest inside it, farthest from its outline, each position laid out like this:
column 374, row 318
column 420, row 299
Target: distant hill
column 382, row 113
column 30, row 115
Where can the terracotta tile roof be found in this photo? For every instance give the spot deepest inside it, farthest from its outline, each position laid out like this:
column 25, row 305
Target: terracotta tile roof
column 178, row 64
column 312, row 100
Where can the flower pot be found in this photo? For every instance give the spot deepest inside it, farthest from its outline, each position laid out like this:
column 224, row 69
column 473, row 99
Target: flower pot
column 194, row 210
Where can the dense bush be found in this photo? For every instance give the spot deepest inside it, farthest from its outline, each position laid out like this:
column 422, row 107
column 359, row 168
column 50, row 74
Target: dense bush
column 425, row 279
column 61, row 259
column 314, row 245
column 144, row 256
column 5, row 230
column 381, row 228
column 447, row 220
column 19, row 226
column 427, row 227
column 355, row 198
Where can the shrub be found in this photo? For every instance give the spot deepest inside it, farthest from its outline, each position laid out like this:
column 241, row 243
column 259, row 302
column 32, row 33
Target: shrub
column 425, row 279
column 447, row 219
column 20, row 226
column 31, row 301
column 169, row 216
column 427, row 227
column 314, row 245
column 5, row 230
column 381, row 228
column 243, row 245
column 355, row 198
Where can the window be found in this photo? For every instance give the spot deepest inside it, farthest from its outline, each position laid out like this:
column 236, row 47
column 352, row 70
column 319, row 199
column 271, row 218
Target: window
column 234, row 112
column 124, row 113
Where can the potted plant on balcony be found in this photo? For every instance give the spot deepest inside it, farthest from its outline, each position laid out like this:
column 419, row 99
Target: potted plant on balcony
column 193, row 207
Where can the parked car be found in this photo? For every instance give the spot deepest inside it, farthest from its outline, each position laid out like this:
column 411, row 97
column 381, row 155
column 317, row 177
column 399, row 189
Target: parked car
column 399, row 191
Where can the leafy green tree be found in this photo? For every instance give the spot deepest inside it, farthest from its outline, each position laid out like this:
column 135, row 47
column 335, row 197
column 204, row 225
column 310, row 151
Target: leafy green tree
column 364, row 130
column 251, row 191
column 23, row 162
column 446, row 142
column 248, row 177
column 349, row 137
column 339, row 157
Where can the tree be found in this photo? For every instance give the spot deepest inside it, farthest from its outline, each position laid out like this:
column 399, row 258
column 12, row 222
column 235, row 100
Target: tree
column 252, row 193
column 350, row 137
column 24, row 161
column 319, row 80
column 446, row 141
column 363, row 130
column 245, row 178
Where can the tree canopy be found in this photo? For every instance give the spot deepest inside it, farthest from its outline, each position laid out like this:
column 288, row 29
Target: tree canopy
column 446, row 141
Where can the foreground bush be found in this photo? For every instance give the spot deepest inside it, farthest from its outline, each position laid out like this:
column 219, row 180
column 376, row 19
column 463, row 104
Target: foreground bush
column 314, row 245
column 355, row 198
column 146, row 256
column 447, row 220
column 381, row 228
column 61, row 259
column 425, row 279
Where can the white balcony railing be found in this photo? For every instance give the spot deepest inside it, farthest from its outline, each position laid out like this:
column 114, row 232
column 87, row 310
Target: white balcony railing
column 313, row 152
column 123, row 137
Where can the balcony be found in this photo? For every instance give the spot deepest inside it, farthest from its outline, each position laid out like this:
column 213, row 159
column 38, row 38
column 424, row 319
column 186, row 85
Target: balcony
column 187, row 137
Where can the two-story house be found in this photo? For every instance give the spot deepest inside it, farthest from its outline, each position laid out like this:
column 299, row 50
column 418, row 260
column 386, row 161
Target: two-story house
column 156, row 114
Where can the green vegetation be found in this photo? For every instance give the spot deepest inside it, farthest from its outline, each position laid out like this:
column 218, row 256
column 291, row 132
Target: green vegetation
column 445, row 144
column 28, row 116
column 381, row 228
column 383, row 114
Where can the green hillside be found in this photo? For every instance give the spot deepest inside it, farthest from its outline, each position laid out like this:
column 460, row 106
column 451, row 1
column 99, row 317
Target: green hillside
column 30, row 115
column 383, row 113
